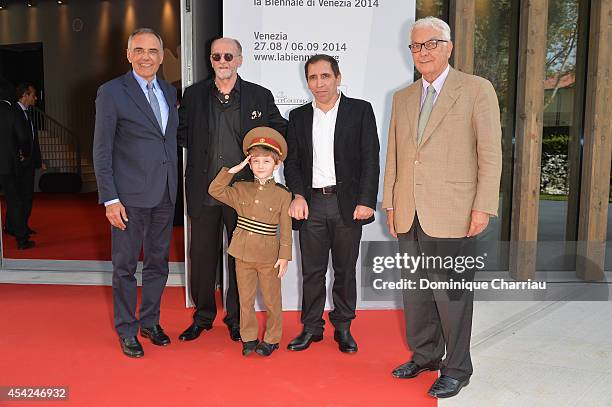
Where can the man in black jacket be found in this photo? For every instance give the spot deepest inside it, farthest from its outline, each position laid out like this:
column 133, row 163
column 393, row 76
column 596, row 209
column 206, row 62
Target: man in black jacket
column 332, row 168
column 215, row 115
column 31, row 156
column 13, row 141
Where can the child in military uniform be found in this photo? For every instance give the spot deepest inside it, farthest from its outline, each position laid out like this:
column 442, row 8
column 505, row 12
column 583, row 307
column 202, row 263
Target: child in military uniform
column 262, row 205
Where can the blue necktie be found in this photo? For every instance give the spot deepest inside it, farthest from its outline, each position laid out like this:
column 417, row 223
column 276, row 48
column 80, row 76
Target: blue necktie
column 154, row 105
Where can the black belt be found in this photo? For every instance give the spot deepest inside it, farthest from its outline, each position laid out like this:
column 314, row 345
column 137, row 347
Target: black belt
column 328, row 190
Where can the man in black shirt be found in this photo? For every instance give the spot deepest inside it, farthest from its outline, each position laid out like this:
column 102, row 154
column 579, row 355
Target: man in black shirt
column 214, row 116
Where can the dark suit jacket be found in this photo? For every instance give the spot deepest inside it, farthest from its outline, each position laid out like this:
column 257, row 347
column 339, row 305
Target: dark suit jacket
column 133, row 160
column 356, row 155
column 9, row 140
column 257, row 108
column 30, row 146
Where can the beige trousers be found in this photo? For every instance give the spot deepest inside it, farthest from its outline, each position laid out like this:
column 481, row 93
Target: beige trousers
column 247, row 275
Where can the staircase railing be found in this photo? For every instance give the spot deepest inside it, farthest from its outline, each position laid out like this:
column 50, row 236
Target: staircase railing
column 60, row 147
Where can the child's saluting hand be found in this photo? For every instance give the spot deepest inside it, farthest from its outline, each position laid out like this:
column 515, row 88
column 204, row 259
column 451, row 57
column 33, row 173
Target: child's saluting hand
column 237, row 168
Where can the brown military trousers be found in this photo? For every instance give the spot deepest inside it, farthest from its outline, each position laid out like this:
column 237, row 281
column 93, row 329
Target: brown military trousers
column 247, row 275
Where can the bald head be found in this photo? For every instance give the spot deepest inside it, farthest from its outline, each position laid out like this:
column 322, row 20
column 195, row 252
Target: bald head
column 228, row 41
column 226, row 58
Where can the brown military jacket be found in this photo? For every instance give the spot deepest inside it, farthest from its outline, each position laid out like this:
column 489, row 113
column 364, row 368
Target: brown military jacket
column 259, row 207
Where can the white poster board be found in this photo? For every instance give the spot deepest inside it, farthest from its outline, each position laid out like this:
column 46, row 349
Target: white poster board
column 369, row 38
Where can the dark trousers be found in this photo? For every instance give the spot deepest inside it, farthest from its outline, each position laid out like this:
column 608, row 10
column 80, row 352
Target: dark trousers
column 151, row 230
column 27, row 190
column 324, row 230
column 437, row 319
column 15, row 207
column 206, row 243
column 19, row 190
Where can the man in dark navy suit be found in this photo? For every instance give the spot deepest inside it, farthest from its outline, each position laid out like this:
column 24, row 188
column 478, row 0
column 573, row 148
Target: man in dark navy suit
column 135, row 161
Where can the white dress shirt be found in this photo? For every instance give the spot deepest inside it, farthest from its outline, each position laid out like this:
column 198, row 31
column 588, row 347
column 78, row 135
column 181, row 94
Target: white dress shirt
column 159, row 94
column 323, row 128
column 437, row 84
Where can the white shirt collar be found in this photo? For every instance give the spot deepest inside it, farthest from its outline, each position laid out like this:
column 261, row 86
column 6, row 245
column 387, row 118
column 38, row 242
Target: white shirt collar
column 438, row 82
column 143, row 82
column 314, row 103
column 22, row 106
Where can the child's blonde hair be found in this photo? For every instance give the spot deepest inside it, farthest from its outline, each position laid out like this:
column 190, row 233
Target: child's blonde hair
column 263, row 151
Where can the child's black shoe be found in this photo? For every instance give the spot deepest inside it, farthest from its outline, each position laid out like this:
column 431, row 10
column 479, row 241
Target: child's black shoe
column 248, row 347
column 266, row 349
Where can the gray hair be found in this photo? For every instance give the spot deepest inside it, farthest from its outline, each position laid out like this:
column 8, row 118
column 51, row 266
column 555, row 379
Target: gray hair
column 433, row 22
column 145, row 30
column 236, row 42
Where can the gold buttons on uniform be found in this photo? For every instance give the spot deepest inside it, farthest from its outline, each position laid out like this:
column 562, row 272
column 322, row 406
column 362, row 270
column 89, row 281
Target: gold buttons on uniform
column 257, row 201
column 260, row 188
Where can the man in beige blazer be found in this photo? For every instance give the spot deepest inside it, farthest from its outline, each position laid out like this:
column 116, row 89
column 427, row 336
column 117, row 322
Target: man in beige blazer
column 441, row 186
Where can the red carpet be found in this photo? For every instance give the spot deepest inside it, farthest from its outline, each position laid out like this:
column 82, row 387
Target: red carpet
column 72, row 227
column 63, row 335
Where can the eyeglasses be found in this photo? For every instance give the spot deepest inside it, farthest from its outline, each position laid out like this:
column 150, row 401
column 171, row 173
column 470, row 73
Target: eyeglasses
column 141, row 51
column 227, row 56
column 415, row 47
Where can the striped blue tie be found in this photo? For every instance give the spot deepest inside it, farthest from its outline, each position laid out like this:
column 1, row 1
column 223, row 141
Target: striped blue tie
column 154, row 105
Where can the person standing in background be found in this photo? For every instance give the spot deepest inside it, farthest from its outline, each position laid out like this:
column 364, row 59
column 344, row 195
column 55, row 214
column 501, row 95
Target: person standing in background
column 30, row 150
column 13, row 140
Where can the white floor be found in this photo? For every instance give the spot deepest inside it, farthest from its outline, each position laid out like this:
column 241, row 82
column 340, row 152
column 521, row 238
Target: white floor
column 540, row 354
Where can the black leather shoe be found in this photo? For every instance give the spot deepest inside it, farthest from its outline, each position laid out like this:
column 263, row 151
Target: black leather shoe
column 410, row 369
column 446, row 387
column 156, row 335
column 26, row 244
column 194, row 331
column 346, row 342
column 131, row 347
column 249, row 347
column 234, row 332
column 265, row 348
column 303, row 341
